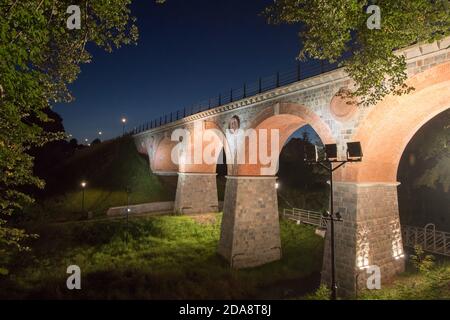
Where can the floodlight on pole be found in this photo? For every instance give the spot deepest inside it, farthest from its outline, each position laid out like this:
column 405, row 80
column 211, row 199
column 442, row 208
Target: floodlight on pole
column 354, row 154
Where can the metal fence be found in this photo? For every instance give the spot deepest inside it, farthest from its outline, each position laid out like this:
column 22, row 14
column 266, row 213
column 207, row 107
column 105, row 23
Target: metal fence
column 305, row 216
column 262, row 85
column 428, row 238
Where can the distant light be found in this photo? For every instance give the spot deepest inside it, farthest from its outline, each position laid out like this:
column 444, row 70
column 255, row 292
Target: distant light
column 100, row 133
column 83, row 184
column 89, row 144
column 124, row 120
column 86, row 140
column 277, row 185
column 128, row 210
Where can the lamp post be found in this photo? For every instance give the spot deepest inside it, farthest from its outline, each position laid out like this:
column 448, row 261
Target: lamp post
column 83, row 187
column 128, row 210
column 354, row 154
column 124, row 122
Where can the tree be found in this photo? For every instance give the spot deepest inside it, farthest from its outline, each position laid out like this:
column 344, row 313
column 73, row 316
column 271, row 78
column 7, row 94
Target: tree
column 39, row 56
column 330, row 28
column 433, row 151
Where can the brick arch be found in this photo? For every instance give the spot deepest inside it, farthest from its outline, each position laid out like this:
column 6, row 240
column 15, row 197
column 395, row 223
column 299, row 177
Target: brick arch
column 287, row 118
column 162, row 159
column 294, row 109
column 392, row 123
column 204, row 167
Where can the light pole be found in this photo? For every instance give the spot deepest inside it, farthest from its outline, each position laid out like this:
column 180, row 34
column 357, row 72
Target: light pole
column 83, row 187
column 127, row 213
column 354, row 154
column 124, row 122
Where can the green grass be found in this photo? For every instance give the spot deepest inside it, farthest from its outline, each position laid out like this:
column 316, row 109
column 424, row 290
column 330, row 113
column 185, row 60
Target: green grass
column 431, row 285
column 169, row 257
column 109, row 168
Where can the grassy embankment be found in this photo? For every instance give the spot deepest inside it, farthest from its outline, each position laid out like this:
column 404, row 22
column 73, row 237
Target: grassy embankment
column 109, row 169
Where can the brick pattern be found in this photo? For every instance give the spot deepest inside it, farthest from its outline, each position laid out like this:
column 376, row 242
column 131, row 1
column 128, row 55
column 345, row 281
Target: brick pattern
column 250, row 233
column 196, row 193
column 369, row 235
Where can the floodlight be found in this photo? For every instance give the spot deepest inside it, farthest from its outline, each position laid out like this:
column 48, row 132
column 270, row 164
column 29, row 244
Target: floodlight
column 331, row 151
column 354, row 150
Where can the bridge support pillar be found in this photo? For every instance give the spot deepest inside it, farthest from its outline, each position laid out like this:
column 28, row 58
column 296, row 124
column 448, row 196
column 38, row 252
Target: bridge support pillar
column 368, row 238
column 250, row 233
column 196, row 193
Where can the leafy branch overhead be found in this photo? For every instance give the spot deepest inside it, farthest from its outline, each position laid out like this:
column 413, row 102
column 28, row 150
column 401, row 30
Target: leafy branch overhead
column 39, row 58
column 330, row 28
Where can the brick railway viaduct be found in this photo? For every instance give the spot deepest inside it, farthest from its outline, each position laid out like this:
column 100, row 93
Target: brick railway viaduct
column 365, row 193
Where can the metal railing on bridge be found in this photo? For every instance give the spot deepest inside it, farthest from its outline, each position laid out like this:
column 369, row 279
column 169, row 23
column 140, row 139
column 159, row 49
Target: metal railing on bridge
column 262, row 85
column 428, row 238
column 313, row 218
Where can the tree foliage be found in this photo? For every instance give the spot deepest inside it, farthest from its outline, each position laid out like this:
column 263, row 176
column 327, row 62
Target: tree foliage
column 330, row 28
column 433, row 151
column 39, row 57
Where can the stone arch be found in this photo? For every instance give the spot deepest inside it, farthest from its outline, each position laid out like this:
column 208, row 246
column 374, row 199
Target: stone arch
column 392, row 123
column 287, row 118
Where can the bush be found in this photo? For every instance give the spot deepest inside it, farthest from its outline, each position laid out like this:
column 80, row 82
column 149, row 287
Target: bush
column 422, row 262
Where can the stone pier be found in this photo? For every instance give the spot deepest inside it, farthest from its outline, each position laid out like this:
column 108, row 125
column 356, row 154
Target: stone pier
column 196, row 193
column 250, row 233
column 369, row 235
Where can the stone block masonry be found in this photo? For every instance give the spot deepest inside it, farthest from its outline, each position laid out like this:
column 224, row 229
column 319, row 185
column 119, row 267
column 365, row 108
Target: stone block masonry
column 368, row 236
column 196, row 193
column 250, row 233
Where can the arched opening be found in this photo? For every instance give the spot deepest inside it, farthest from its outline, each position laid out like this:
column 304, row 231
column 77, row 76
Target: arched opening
column 301, row 185
column 222, row 172
column 424, row 176
column 272, row 130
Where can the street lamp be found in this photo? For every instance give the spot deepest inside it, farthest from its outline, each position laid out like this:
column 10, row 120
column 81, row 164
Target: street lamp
column 83, row 187
column 124, row 122
column 100, row 133
column 127, row 212
column 354, row 154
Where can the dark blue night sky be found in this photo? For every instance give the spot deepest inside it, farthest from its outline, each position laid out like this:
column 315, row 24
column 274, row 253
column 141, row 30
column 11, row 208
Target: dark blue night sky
column 188, row 51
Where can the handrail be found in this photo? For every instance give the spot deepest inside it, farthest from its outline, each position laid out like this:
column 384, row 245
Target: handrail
column 262, row 85
column 305, row 216
column 428, row 238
